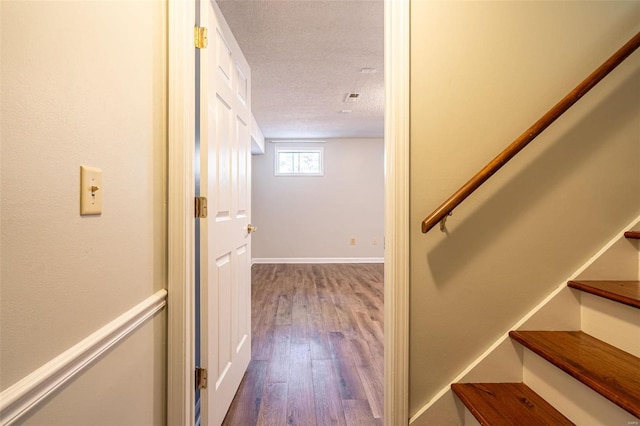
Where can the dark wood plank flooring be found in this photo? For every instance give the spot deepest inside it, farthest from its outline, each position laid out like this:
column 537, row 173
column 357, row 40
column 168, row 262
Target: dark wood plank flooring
column 317, row 349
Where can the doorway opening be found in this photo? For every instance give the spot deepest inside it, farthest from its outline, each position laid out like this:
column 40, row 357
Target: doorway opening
column 180, row 376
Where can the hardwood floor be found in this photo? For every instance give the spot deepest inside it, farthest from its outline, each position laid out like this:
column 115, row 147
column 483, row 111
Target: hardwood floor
column 317, row 350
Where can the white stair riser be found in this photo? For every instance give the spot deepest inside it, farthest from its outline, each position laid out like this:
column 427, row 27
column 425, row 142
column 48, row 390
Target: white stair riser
column 469, row 419
column 611, row 322
column 576, row 401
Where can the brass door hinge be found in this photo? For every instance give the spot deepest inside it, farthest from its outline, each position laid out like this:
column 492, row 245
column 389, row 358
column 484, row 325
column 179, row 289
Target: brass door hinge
column 200, row 37
column 201, row 207
column 201, row 378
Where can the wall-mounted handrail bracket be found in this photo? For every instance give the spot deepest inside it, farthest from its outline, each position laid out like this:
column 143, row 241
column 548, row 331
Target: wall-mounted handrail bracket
column 443, row 222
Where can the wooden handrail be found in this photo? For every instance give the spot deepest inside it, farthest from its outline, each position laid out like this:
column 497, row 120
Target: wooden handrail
column 530, row 134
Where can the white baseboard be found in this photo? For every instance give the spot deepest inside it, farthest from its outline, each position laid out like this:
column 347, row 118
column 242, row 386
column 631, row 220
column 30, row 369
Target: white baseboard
column 317, row 260
column 23, row 396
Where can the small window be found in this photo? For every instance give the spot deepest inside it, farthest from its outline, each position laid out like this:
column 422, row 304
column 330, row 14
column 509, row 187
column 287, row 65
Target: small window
column 299, row 162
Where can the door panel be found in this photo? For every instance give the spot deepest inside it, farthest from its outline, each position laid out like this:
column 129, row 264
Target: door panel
column 243, row 321
column 221, row 141
column 242, row 86
column 222, row 307
column 242, row 128
column 225, row 96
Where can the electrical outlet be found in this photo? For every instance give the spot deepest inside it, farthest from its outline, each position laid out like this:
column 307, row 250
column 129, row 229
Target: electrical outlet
column 374, row 242
column 352, row 241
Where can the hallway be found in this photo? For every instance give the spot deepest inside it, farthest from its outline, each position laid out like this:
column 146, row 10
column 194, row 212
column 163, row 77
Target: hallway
column 317, row 355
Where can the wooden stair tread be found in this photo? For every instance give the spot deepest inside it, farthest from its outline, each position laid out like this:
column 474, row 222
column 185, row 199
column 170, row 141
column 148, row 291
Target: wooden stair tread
column 632, row 234
column 507, row 404
column 611, row 372
column 627, row 292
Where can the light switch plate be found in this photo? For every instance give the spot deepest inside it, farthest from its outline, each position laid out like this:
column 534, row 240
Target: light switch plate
column 90, row 191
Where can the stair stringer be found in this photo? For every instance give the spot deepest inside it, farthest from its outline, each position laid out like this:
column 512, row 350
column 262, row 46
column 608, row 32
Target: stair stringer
column 503, row 361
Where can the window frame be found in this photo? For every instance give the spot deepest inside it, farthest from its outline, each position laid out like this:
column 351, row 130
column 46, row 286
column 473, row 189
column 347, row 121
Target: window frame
column 294, row 150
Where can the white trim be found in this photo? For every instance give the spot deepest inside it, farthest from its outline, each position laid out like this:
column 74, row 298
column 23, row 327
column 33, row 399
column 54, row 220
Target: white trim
column 317, row 260
column 23, row 396
column 180, row 222
column 396, row 271
column 523, row 320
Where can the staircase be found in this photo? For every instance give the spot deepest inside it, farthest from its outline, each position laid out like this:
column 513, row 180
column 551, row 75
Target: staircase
column 585, row 377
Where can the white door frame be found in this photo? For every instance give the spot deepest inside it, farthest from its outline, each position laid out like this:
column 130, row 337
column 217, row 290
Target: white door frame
column 396, row 222
column 180, row 232
column 180, row 212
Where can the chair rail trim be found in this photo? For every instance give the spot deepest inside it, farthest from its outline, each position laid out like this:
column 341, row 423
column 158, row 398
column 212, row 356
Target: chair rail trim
column 23, row 396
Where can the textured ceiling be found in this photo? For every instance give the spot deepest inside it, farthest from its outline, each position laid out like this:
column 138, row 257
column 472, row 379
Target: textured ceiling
column 305, row 56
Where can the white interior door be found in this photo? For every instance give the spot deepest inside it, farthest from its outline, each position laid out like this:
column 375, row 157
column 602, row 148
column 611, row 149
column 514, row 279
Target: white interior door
column 225, row 241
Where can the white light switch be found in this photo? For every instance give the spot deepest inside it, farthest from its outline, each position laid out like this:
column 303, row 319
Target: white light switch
column 90, row 190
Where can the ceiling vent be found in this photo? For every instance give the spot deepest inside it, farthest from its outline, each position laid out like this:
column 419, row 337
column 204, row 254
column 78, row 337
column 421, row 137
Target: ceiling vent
column 352, row 97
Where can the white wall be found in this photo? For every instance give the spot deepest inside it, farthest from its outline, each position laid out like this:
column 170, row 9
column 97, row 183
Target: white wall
column 315, row 217
column 83, row 83
column 481, row 73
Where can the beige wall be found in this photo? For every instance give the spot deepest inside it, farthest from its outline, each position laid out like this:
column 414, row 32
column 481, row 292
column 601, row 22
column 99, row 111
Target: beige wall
column 83, row 83
column 315, row 217
column 481, row 73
